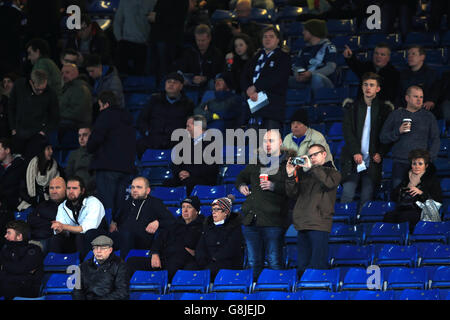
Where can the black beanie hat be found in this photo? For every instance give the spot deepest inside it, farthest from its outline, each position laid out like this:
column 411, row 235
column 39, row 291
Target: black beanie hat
column 316, row 27
column 301, row 115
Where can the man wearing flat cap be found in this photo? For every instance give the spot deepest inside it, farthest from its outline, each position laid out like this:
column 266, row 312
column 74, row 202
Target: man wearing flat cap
column 315, row 64
column 166, row 112
column 104, row 276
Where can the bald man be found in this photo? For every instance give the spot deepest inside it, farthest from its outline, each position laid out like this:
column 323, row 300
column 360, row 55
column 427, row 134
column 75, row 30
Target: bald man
column 42, row 216
column 140, row 217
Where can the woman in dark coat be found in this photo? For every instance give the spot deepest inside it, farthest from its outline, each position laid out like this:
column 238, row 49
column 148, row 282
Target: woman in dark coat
column 221, row 245
column 420, row 184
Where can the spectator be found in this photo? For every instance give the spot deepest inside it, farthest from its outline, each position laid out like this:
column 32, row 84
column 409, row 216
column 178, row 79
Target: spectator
column 268, row 72
column 244, row 24
column 5, row 92
column 113, row 131
column 380, row 65
column 203, row 62
column 104, row 276
column 192, row 173
column 221, row 245
column 38, row 54
column 71, row 56
column 139, row 218
column 12, row 172
column 79, row 220
column 132, row 29
column 420, row 183
column 419, row 74
column 222, row 108
column 32, row 114
column 265, row 210
column 166, row 112
column 197, row 15
column 419, row 132
column 362, row 155
column 21, row 263
column 166, row 35
column 174, row 248
column 314, row 8
column 302, row 136
column 79, row 161
column 41, row 218
column 241, row 53
column 90, row 39
column 315, row 64
column 315, row 191
column 105, row 78
column 40, row 171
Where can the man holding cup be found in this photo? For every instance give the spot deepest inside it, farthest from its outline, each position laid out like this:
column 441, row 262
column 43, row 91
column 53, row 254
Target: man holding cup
column 408, row 129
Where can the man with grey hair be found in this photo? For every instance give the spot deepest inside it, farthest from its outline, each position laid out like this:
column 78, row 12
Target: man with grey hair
column 33, row 113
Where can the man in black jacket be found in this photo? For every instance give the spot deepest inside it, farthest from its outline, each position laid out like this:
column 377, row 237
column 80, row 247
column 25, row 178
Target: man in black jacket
column 113, row 144
column 139, row 218
column 380, row 65
column 105, row 276
column 268, row 71
column 166, row 112
column 21, row 263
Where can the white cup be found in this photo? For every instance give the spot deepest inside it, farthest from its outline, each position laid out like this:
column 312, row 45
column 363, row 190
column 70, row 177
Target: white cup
column 409, row 121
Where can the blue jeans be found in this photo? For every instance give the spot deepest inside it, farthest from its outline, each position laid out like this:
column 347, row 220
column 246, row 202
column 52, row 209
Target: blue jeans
column 350, row 185
column 399, row 171
column 264, row 242
column 111, row 188
column 312, row 249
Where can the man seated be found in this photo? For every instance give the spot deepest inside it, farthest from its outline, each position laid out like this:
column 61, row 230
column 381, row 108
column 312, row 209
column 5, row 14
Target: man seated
column 166, row 112
column 104, row 276
column 79, row 161
column 21, row 263
column 40, row 219
column 139, row 218
column 192, row 173
column 79, row 220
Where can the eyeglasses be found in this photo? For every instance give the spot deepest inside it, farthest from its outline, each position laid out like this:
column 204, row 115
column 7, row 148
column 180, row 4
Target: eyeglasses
column 314, row 154
column 216, row 209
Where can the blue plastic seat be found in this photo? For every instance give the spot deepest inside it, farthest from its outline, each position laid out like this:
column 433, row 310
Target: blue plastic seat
column 345, row 212
column 273, row 280
column 206, row 210
column 341, row 26
column 233, row 280
column 425, row 39
column 444, row 150
column 261, row 15
column 289, row 13
column 388, row 232
column 236, row 296
column 279, row 295
column 156, row 157
column 352, row 41
column 335, row 131
column 139, row 84
column 138, row 253
column 298, row 97
column 336, row 150
column 231, row 172
column 220, row 15
column 175, row 211
column 433, row 254
column 442, row 167
column 344, row 233
column 57, row 283
column 187, row 280
column 414, row 294
column 352, row 255
column 356, row 278
column 387, row 168
column 194, row 296
column 430, row 231
column 331, row 96
column 441, row 278
column 59, row 262
column 292, row 29
column 157, row 175
column 59, row 297
column 207, row 194
column 324, row 295
column 149, row 281
column 406, row 278
column 134, row 101
column 374, row 211
column 370, row 41
column 329, row 113
column 319, row 279
column 236, row 154
column 22, row 215
column 391, row 255
column 351, row 79
column 373, row 295
column 445, row 186
column 136, row 295
column 169, row 195
column 102, row 8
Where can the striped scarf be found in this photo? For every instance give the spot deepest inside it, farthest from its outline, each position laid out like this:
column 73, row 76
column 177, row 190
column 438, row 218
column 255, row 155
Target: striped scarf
column 260, row 64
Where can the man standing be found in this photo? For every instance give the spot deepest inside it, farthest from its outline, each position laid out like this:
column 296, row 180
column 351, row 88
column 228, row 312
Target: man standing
column 362, row 155
column 315, row 191
column 408, row 129
column 113, row 145
column 104, row 276
column 21, row 263
column 139, row 218
column 79, row 220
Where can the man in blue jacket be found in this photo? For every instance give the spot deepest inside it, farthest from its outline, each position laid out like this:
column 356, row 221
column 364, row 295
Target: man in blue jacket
column 113, row 144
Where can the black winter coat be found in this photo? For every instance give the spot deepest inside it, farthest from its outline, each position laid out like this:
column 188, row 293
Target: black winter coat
column 40, row 220
column 10, row 183
column 113, row 141
column 108, row 281
column 169, row 21
column 209, row 64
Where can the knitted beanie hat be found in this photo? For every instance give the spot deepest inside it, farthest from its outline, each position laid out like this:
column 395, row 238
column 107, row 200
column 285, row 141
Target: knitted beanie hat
column 301, row 115
column 316, row 27
column 224, row 203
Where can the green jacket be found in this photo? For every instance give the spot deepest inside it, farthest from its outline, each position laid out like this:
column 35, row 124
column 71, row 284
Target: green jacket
column 270, row 208
column 75, row 104
column 78, row 164
column 53, row 73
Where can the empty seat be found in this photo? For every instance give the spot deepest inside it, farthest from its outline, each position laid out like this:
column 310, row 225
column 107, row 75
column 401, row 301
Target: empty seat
column 57, row 283
column 352, row 41
column 341, row 26
column 187, row 280
column 22, row 215
column 231, row 172
column 139, row 84
column 345, row 212
column 298, row 97
column 373, row 295
column 425, row 39
column 370, row 41
column 156, row 157
column 169, row 195
column 391, row 255
column 207, row 194
column 59, row 297
column 406, row 278
column 236, row 296
column 279, row 295
column 445, row 186
column 324, row 295
column 138, row 253
column 373, row 211
column 331, row 96
column 135, row 101
column 149, row 281
column 319, row 279
column 335, row 131
column 272, row 280
column 430, row 231
column 388, row 232
column 59, row 262
column 433, row 254
column 356, row 278
column 175, row 211
column 352, row 255
column 205, row 210
column 233, row 280
column 329, row 113
column 344, row 233
column 136, row 295
column 289, row 13
column 157, row 175
column 195, row 296
column 414, row 294
column 440, row 278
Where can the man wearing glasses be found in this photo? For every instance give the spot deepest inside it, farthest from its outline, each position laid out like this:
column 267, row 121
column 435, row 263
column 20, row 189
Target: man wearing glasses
column 104, row 276
column 314, row 184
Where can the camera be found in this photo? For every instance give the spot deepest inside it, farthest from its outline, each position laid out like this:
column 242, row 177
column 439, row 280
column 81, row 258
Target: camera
column 297, row 161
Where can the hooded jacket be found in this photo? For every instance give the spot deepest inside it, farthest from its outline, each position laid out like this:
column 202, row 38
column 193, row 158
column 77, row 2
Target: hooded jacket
column 40, row 220
column 110, row 81
column 315, row 192
column 75, row 104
